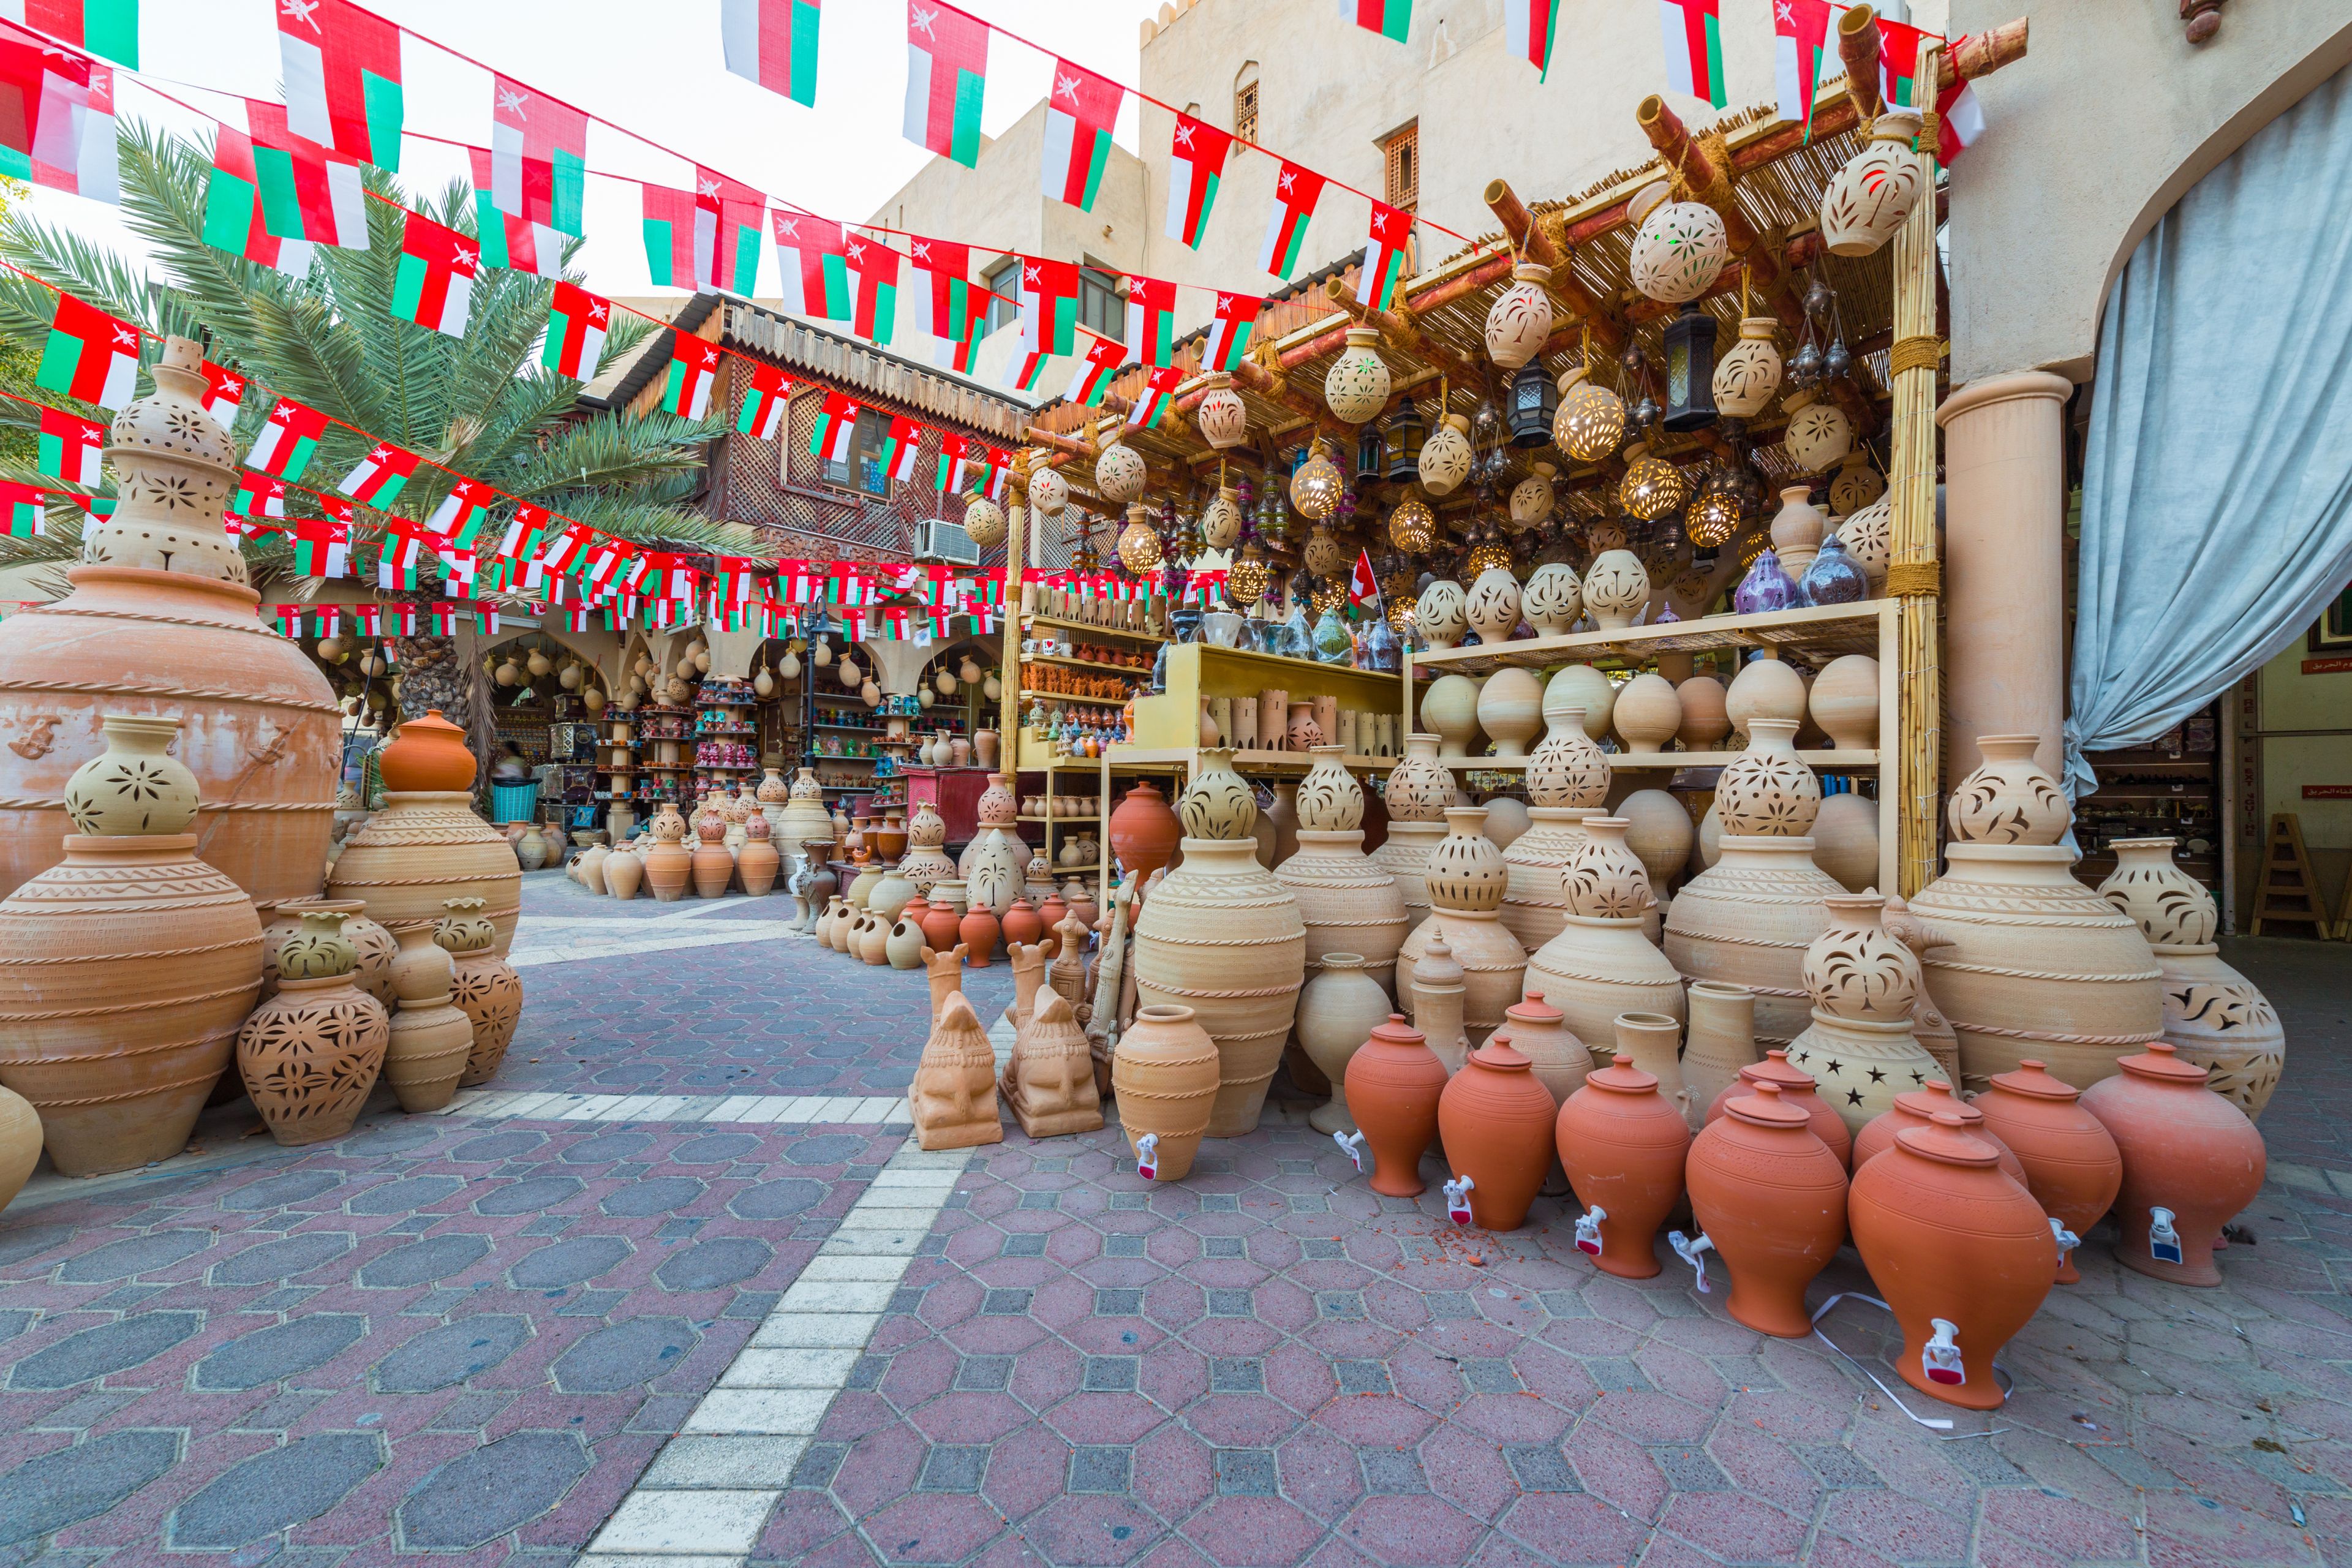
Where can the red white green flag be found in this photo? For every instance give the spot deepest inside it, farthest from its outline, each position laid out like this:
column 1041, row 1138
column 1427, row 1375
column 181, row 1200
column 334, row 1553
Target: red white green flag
column 90, row 354
column 1963, row 120
column 1389, row 18
column 321, row 548
column 1000, row 472
column 774, row 43
column 577, row 323
column 1898, row 63
column 1229, row 332
column 836, row 423
column 1196, row 164
column 70, row 447
column 1080, row 112
column 305, row 191
column 526, row 533
column 342, row 77
column 1385, row 255
column 434, row 285
column 708, row 238
column 459, row 567
column 811, row 253
column 955, row 462
column 287, row 439
column 1693, row 40
column 59, row 128
column 233, row 218
column 21, row 510
column 539, row 157
column 1092, row 378
column 693, row 371
column 955, row 312
column 947, row 68
column 875, row 268
column 462, row 511
column 1296, row 192
column 223, row 392
column 762, row 415
column 567, row 547
column 1159, row 392
column 1049, row 305
column 396, row 566
column 1527, row 29
column 515, row 243
column 109, row 27
column 1026, row 372
column 1801, row 53
column 257, row 496
column 378, row 478
column 900, row 449
column 1151, row 320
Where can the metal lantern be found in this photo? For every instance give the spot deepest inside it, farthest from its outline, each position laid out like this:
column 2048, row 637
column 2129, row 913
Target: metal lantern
column 1139, row 550
column 1591, row 419
column 1246, row 579
column 1317, row 486
column 1652, row 487
column 1690, row 369
column 1413, row 526
column 1368, row 453
column 1534, row 402
column 1401, row 435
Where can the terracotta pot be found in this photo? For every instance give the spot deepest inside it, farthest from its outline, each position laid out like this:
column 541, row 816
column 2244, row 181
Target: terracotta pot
column 1222, row 936
column 1660, row 833
column 20, row 1144
column 2186, row 1152
column 984, row 748
column 1143, row 830
column 1764, row 687
column 1623, row 1146
column 978, row 932
column 482, row 985
column 1282, row 816
column 1164, row 1078
column 1798, row 1089
column 1706, row 719
column 1919, row 1108
column 1770, row 1196
column 372, row 945
column 1747, row 920
column 1845, row 841
column 1435, row 994
column 1348, row 902
column 1648, row 713
column 2009, row 799
column 1218, row 804
column 1538, row 1031
column 167, row 644
column 954, row 1097
column 1510, row 710
column 431, row 1038
column 2072, row 1165
column 421, row 848
column 1393, row 1084
column 1950, row 1240
column 1493, row 965
column 310, row 1054
column 1652, row 1042
column 1338, row 1010
column 940, row 925
column 1496, row 1121
column 623, row 874
column 588, row 869
column 427, row 755
column 872, row 941
column 712, row 868
column 1721, row 1040
column 1021, row 924
column 130, row 967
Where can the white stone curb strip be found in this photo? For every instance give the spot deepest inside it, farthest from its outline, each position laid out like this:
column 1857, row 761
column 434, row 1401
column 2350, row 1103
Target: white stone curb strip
column 747, row 1109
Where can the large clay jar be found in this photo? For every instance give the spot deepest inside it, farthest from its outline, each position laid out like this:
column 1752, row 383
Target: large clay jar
column 1143, row 831
column 1493, row 606
column 1863, row 984
column 1567, row 782
column 1510, row 710
column 2072, row 1165
column 1164, row 1080
column 1338, row 1010
column 926, row 865
column 1435, row 996
column 372, row 945
column 978, row 932
column 1919, row 1108
column 712, row 866
column 2213, row 1016
column 625, row 872
column 1442, row 612
column 1497, row 1122
column 1540, row 1032
column 1221, row 936
column 482, row 985
column 1394, row 1083
column 1770, row 1196
column 431, row 1038
column 1348, row 901
column 940, row 923
column 1623, row 1147
column 805, row 817
column 1963, row 1255
column 425, row 846
column 1599, row 965
column 310, row 1054
column 757, row 861
column 1797, row 1089
column 1648, row 713
column 1764, row 687
column 1466, row 878
column 2191, row 1162
column 20, row 1144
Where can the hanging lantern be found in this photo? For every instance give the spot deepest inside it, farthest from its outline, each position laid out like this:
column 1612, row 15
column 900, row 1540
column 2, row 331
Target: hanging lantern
column 1487, row 553
column 1752, row 545
column 1221, row 521
column 1713, row 514
column 1532, row 498
column 1678, row 247
column 1856, row 486
column 1119, row 473
column 1652, row 487
column 1140, row 549
column 1591, row 423
column 1316, row 488
column 850, row 676
column 1445, row 456
column 1356, row 389
column 763, row 685
column 1747, row 377
column 1325, row 556
column 925, row 698
column 1868, row 200
column 1818, row 434
column 1048, row 491
column 1246, row 579
column 1411, row 526
column 1222, row 415
column 983, row 522
column 1401, row 435
column 1519, row 319
column 509, row 673
column 1534, row 402
column 1690, row 369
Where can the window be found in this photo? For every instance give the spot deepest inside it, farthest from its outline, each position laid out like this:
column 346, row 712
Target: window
column 1402, row 155
column 1003, row 280
column 864, row 469
column 1099, row 307
column 1246, row 103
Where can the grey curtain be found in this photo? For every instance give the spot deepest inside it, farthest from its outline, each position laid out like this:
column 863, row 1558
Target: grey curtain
column 2217, row 491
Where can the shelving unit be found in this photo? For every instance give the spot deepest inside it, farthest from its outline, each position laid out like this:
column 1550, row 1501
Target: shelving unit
column 2170, row 787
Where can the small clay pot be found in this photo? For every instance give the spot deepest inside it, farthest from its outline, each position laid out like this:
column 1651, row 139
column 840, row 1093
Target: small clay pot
column 2072, row 1165
column 1623, row 1145
column 940, row 930
column 1771, row 1197
column 2186, row 1150
column 1021, row 924
column 427, row 753
column 1394, row 1083
column 1497, row 1121
column 1164, row 1078
column 978, row 932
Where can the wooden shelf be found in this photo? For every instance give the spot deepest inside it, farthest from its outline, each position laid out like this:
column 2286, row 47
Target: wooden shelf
column 1253, row 761
column 1122, row 633
column 1829, row 629
column 1830, row 762
column 1124, row 671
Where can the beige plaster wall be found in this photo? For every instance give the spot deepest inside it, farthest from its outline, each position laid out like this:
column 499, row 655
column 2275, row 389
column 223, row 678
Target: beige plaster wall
column 2093, row 137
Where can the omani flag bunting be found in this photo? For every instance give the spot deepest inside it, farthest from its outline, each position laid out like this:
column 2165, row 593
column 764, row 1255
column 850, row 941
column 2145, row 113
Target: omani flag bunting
column 526, row 533
column 947, row 68
column 693, row 371
column 875, row 265
column 1693, row 40
column 223, row 392
column 564, row 550
column 321, row 549
column 378, row 478
column 708, row 238
column 1898, row 64
column 233, row 218
column 59, row 131
column 1151, row 320
column 395, row 567
column 953, row 300
column 900, row 449
column 109, row 27
column 1080, row 113
column 955, row 461
column 462, row 511
column 1384, row 256
column 1962, row 121
column 1390, row 18
column 286, row 440
column 257, row 496
column 70, row 447
column 539, row 157
column 515, row 243
column 1026, row 372
column 309, row 192
column 774, row 43
column 1296, row 192
column 1229, row 332
column 1092, row 379
column 1158, row 391
column 1049, row 305
column 577, row 323
column 21, row 505
column 811, row 254
column 342, row 77
column 1196, row 153
column 434, row 285
column 762, row 415
column 836, row 425
column 1527, row 29
column 1000, row 470
column 1801, row 52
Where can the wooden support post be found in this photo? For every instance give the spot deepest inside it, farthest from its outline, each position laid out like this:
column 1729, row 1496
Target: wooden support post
column 1913, row 766
column 1016, row 557
column 1859, row 44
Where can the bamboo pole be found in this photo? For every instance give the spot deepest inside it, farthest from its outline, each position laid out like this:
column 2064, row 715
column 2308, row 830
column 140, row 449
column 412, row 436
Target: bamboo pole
column 1915, row 575
column 1016, row 557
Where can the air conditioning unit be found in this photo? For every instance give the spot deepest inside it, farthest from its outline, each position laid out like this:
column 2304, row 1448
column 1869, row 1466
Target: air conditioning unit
column 935, row 538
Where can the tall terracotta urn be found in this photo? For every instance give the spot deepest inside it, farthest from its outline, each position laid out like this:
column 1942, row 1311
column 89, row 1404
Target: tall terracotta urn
column 1465, row 876
column 427, row 844
column 1164, row 1080
column 926, row 865
column 310, row 1053
column 1623, row 1146
column 482, row 985
column 1963, row 1255
column 431, row 1038
column 708, row 863
column 2191, row 1162
column 625, row 872
column 1496, row 1123
column 756, row 861
column 1349, row 903
column 1394, row 1083
column 1338, row 1011
column 668, row 863
column 1567, row 782
column 2214, row 1017
column 161, row 624
column 1419, row 790
column 1864, row 982
column 1770, row 1196
column 804, row 815
column 2072, row 1165
column 124, row 974
column 1599, row 965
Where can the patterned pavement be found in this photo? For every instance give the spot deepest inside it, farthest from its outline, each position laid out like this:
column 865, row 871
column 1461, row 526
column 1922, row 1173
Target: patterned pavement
column 478, row 1339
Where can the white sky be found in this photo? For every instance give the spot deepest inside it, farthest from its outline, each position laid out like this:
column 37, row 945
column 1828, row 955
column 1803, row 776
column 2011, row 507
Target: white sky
column 653, row 68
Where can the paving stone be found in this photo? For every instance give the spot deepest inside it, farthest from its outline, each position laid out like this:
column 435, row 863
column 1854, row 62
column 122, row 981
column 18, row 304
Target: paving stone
column 1236, row 1374
column 718, row 1149
column 711, row 1265
column 422, row 1262
column 1690, row 1470
column 819, row 1463
column 66, row 1486
column 499, row 1487
column 1392, row 1472
column 984, row 1373
column 106, row 1349
column 823, row 1149
column 276, row 1488
column 953, row 1468
column 505, row 1145
column 572, row 1262
column 284, row 1350
column 624, row 1355
column 607, row 1147
column 22, row 1241
column 278, row 1192
column 1119, row 1302
column 405, row 1196
column 529, row 1197
column 1030, row 1246
column 1099, row 1468
column 1540, row 1467
column 778, row 1199
column 134, row 1255
column 441, row 1357
column 281, row 1260
column 1246, row 1472
column 1363, row 1377
column 1111, row 1373
column 1006, row 1303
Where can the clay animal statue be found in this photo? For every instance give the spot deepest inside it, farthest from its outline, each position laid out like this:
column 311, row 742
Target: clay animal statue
column 1050, row 1081
column 954, row 1097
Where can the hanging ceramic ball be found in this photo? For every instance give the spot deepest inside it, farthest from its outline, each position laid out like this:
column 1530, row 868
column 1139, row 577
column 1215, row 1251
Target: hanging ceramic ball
column 969, row 671
column 871, row 694
column 1356, row 389
column 677, row 693
column 508, row 674
column 330, row 649
column 1048, row 491
column 1591, row 423
column 1747, row 377
column 1120, row 472
column 1317, row 486
column 1857, row 484
column 1445, row 456
column 1521, row 318
column 538, row 664
column 637, row 687
column 702, row 664
column 822, row 654
column 1868, row 200
column 685, row 667
column 945, row 682
column 1222, row 415
column 1818, row 434
column 1531, row 497
column 925, row 698
column 763, row 685
column 1221, row 521
column 1411, row 526
column 1325, row 556
column 593, row 700
column 993, row 689
column 850, row 674
column 788, row 667
column 1678, row 247
column 985, row 521
column 1139, row 548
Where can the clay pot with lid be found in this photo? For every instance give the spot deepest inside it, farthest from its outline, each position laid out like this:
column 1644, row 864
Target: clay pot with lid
column 1496, row 1121
column 482, row 985
column 1798, row 1089
column 310, row 1054
column 2187, row 1152
column 2072, row 1165
column 1962, row 1254
column 1163, row 1081
column 1919, row 1108
column 427, row 753
column 1393, row 1084
column 1623, row 1146
column 1770, row 1196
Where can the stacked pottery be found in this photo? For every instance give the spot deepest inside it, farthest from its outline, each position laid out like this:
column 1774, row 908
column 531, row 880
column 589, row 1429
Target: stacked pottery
column 482, row 985
column 2072, row 1165
column 1797, row 1089
column 2038, row 965
column 1623, row 1148
column 310, row 1054
column 427, row 844
column 1496, row 1121
column 1419, row 790
column 2192, row 1162
column 2214, row 1017
column 372, row 945
column 926, row 864
column 1348, row 901
column 805, row 817
column 431, row 1038
column 1393, row 1085
column 1599, row 965
column 1221, row 936
column 772, row 794
column 1164, row 1080
column 161, row 624
column 1466, row 877
column 1568, row 782
column 996, row 873
column 1436, row 998
column 1771, row 1198
column 1747, row 919
column 1339, row 1009
column 1865, row 983
column 124, row 974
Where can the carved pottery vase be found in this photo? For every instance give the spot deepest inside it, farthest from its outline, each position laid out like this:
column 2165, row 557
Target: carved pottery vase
column 954, row 1097
column 1748, row 373
column 1767, row 586
column 1623, row 1147
column 926, row 865
column 2188, row 1155
column 1492, row 607
column 1615, row 589
column 1466, row 877
column 1393, row 1084
column 1356, row 388
column 805, row 817
column 1338, row 1010
column 372, row 945
column 1797, row 1088
column 1871, row 197
column 1599, row 965
column 1348, row 902
column 1443, row 613
column 2071, row 1164
column 1218, row 804
column 997, row 871
column 1446, row 460
column 431, row 1038
column 482, row 985
column 310, row 1054
column 1770, row 1196
column 2010, row 799
column 712, row 866
column 1678, row 247
column 1552, row 599
column 1496, row 1121
column 135, row 786
column 1163, row 1083
column 424, row 847
column 1519, row 319
column 1962, row 1254
column 1863, row 984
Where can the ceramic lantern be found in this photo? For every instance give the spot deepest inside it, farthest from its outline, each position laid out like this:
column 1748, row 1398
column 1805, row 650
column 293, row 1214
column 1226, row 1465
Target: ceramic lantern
column 1120, row 472
column 1591, row 421
column 1857, row 484
column 1615, row 589
column 1222, row 417
column 1048, row 491
column 1492, row 607
column 1356, row 389
column 1221, row 521
column 985, row 521
column 1678, row 247
column 1442, row 612
column 1532, row 498
column 1750, row 374
column 1521, row 318
column 1818, row 434
column 1552, row 597
column 1445, row 456
column 1868, row 200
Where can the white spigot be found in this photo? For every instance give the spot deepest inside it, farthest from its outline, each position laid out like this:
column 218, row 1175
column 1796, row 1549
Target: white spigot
column 1352, row 1145
column 1689, row 1251
column 2163, row 1240
column 2066, row 1239
column 1941, row 1360
column 1457, row 1199
column 1587, row 1230
column 1147, row 1156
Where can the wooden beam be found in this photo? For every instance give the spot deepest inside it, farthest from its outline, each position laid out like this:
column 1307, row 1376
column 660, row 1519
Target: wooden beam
column 1489, row 270
column 1859, row 44
column 1519, row 225
column 1712, row 186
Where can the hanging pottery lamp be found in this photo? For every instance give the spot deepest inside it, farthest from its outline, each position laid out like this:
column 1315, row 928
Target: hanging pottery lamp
column 1246, row 579
column 1679, row 246
column 1868, row 200
column 1120, row 472
column 1857, row 484
column 1316, row 488
column 983, row 522
column 1140, row 549
column 1221, row 521
column 1715, row 511
column 1411, row 526
column 1048, row 491
column 1325, row 557
column 1747, row 377
column 1532, row 498
column 1534, row 403
column 1223, row 417
column 1591, row 423
column 1652, row 487
column 1520, row 318
column 1488, row 551
column 1690, row 369
column 1446, row 456
column 1356, row 389
column 1401, row 435
column 1818, row 434
column 945, row 681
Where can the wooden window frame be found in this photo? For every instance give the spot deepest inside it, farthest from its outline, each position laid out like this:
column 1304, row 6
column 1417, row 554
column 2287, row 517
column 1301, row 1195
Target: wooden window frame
column 1402, row 147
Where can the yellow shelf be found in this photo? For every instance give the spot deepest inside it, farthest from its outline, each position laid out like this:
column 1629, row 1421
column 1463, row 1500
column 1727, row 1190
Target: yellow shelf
column 1126, row 633
column 1126, row 671
column 1833, row 761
